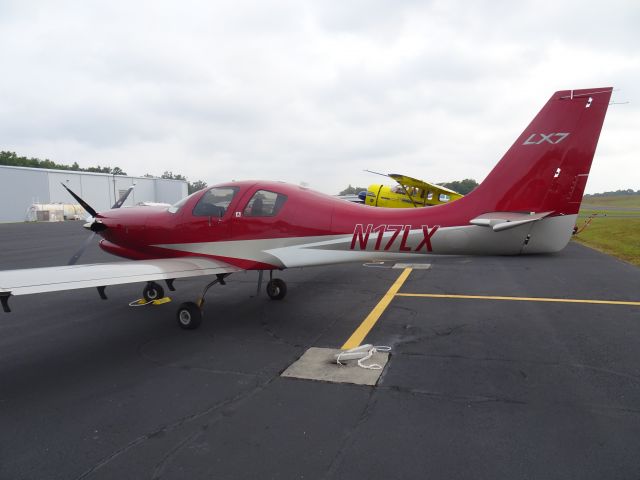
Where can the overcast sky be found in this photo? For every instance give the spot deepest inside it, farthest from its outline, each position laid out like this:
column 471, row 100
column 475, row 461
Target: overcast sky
column 310, row 91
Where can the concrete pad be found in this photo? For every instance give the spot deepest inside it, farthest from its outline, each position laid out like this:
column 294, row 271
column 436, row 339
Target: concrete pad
column 320, row 364
column 415, row 266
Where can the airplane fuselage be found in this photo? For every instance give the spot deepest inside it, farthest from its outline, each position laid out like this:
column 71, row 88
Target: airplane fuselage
column 313, row 229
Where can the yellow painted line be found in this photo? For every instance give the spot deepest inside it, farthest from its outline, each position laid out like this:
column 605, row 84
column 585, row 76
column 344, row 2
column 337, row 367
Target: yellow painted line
column 367, row 324
column 520, row 299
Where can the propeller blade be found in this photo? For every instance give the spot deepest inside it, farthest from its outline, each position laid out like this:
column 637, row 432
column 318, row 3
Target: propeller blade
column 84, row 204
column 123, row 198
column 76, row 256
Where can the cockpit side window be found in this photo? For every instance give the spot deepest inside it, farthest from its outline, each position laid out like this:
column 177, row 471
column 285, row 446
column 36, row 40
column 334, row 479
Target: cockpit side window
column 264, row 203
column 214, row 202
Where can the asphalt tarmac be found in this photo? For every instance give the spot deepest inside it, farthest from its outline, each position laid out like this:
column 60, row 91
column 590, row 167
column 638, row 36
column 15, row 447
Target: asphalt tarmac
column 475, row 388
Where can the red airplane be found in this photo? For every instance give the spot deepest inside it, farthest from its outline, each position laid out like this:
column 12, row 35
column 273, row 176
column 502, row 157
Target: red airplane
column 527, row 204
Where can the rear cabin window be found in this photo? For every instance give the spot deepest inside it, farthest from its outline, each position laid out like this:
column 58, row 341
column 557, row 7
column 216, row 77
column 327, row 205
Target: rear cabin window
column 214, row 202
column 444, row 197
column 264, row 203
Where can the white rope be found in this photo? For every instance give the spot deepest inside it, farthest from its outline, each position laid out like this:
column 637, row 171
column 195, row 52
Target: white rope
column 138, row 303
column 362, row 354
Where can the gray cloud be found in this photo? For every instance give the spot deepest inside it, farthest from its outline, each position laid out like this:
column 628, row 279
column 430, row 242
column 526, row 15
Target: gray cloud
column 308, row 91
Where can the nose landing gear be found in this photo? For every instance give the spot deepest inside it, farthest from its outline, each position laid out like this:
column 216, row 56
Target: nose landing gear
column 189, row 315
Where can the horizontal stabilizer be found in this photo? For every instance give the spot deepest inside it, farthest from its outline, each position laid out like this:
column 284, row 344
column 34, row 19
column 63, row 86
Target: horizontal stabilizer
column 500, row 221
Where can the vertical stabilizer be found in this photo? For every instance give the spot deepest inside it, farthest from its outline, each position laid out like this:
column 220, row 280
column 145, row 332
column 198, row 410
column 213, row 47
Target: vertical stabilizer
column 547, row 168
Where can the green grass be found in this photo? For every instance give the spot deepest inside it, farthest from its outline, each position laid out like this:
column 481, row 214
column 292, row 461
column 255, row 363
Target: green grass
column 626, row 201
column 619, row 237
column 616, row 228
column 584, row 212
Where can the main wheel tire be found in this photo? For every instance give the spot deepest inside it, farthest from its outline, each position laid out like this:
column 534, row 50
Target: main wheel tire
column 276, row 289
column 189, row 316
column 152, row 291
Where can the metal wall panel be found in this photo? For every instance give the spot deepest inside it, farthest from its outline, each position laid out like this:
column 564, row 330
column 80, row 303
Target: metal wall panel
column 170, row 191
column 57, row 194
column 145, row 191
column 19, row 188
column 95, row 191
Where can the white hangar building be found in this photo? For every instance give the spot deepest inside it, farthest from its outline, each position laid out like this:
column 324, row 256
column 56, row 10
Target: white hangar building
column 21, row 187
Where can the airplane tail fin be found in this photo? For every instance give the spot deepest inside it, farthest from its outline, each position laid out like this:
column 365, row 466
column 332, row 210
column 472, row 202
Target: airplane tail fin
column 547, row 167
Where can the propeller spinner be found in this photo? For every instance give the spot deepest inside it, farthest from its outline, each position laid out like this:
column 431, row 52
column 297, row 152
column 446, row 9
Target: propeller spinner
column 94, row 224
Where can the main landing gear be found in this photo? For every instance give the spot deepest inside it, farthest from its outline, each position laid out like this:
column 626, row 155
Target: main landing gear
column 189, row 314
column 276, row 289
column 152, row 291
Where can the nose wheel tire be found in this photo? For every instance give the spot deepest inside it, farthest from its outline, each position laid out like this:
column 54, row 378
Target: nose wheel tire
column 189, row 316
column 276, row 289
column 152, row 291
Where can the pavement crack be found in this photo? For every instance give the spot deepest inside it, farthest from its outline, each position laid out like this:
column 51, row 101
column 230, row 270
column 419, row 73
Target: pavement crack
column 348, row 439
column 445, row 332
column 456, row 398
column 544, row 363
column 184, row 366
column 265, row 326
column 222, row 410
column 314, row 341
column 174, row 426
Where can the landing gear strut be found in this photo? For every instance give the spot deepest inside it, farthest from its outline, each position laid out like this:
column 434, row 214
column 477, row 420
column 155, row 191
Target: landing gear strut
column 189, row 314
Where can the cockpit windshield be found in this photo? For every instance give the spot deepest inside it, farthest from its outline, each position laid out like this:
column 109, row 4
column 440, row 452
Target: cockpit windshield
column 176, row 206
column 214, row 202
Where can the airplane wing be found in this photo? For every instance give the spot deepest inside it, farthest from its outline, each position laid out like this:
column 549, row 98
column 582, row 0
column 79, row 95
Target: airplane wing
column 414, row 182
column 68, row 277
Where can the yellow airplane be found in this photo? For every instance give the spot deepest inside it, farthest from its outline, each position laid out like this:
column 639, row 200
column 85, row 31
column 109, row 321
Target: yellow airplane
column 409, row 193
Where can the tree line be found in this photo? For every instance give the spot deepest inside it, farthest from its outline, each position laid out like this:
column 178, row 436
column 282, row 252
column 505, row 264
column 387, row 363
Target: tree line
column 13, row 160
column 628, row 191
